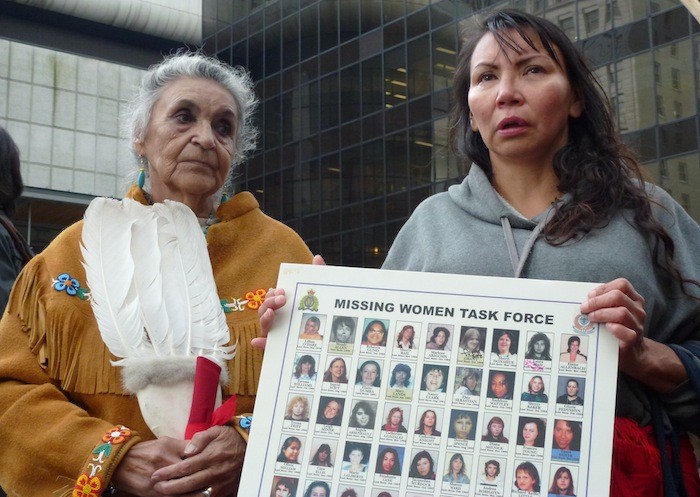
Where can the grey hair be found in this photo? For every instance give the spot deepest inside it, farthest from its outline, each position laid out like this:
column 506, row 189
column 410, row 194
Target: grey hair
column 195, row 64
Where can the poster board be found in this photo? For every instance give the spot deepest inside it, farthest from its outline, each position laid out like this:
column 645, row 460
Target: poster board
column 536, row 396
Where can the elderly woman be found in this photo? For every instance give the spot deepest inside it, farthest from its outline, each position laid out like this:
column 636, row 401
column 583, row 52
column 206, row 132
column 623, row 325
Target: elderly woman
column 61, row 397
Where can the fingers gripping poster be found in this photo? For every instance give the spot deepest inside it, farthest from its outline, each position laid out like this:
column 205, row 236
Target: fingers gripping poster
column 381, row 383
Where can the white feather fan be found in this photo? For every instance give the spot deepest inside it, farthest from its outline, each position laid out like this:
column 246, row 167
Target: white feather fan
column 154, row 298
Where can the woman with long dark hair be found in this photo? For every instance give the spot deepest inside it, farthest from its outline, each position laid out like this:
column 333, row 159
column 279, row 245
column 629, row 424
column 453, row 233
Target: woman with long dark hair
column 553, row 193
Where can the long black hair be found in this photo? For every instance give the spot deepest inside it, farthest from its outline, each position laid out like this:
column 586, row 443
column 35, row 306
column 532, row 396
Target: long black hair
column 11, row 185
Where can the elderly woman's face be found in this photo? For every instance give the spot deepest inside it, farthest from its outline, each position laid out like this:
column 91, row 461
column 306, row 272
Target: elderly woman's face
column 190, row 139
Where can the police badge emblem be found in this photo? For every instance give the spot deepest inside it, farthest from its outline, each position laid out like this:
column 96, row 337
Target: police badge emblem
column 309, row 302
column 583, row 325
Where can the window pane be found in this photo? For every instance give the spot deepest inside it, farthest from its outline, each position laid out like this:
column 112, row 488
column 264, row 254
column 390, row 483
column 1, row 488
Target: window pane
column 309, row 33
column 635, row 89
column 444, row 49
column 371, row 15
column 419, row 67
column 675, row 88
column 372, row 86
column 352, row 178
column 420, row 149
column 329, row 101
column 396, row 159
column 330, row 177
column 350, row 93
column 290, row 35
column 373, row 168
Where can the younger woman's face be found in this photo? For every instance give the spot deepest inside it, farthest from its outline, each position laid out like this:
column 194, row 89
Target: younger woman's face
column 400, row 377
column 563, row 481
column 440, row 338
column 463, row 426
column 536, row 385
column 291, row 453
column 530, row 433
column 457, row 465
column 471, row 382
column 396, row 418
column 331, row 410
column 574, row 347
column 337, row 370
column 423, row 466
column 473, row 344
column 563, row 435
column 298, row 408
column 369, row 374
column 305, row 367
column 318, row 492
column 433, row 380
column 281, row 491
column 322, row 456
column 491, row 470
column 496, row 428
column 355, row 456
column 343, row 333
column 538, row 347
column 362, row 417
column 375, row 334
column 524, row 481
column 503, row 344
column 388, row 462
column 499, row 385
column 429, row 419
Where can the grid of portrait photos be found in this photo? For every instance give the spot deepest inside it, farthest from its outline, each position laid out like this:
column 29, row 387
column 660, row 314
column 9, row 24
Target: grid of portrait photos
column 433, row 415
column 381, row 404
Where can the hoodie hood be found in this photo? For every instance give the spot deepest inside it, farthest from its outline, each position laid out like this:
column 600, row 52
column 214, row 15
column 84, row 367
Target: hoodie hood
column 476, row 196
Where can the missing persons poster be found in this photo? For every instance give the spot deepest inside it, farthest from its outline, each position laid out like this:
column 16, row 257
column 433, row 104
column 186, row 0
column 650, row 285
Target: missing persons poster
column 380, row 383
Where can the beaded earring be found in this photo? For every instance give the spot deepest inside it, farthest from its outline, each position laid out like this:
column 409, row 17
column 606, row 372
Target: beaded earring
column 143, row 162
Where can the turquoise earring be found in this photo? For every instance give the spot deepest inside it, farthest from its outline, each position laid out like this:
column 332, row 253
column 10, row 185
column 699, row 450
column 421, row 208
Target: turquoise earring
column 141, row 180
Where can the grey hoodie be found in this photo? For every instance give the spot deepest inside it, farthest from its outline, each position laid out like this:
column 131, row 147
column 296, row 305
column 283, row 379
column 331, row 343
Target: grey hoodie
column 470, row 229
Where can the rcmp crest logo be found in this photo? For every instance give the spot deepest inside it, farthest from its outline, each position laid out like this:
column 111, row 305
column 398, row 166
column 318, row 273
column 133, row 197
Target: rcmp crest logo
column 309, row 302
column 583, row 325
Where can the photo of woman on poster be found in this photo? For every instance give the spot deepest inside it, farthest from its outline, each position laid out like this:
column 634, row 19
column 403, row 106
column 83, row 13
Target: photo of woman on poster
column 297, row 408
column 462, row 425
column 422, row 466
column 343, row 329
column 456, row 470
column 471, row 344
column 363, row 414
column 336, row 372
column 388, row 462
column 428, row 424
column 470, row 382
column 495, row 430
column 394, row 421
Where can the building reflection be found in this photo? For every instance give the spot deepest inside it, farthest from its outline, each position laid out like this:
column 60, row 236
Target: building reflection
column 355, row 96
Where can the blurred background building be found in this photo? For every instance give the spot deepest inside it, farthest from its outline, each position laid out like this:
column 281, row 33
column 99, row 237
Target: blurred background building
column 355, row 96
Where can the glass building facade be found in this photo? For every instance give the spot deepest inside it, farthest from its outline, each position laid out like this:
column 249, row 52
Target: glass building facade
column 355, row 96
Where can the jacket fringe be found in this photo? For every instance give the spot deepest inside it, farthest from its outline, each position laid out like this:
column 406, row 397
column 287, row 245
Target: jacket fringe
column 61, row 342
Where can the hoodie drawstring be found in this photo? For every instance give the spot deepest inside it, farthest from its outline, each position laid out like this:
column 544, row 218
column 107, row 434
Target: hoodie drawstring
column 518, row 261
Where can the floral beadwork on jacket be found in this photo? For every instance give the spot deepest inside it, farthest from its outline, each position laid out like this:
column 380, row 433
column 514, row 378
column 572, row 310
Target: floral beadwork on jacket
column 252, row 300
column 90, row 483
column 66, row 283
